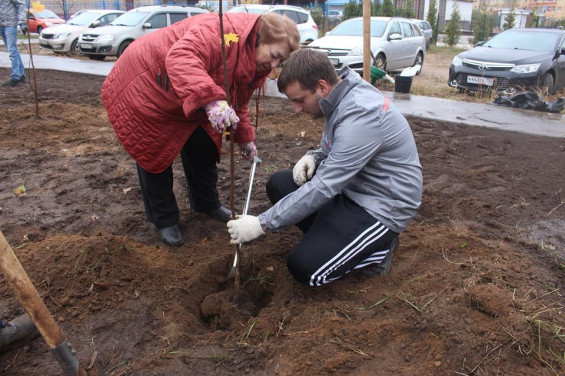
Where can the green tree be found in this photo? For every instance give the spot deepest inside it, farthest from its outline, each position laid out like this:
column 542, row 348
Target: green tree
column 509, row 20
column 453, row 29
column 482, row 24
column 409, row 10
column 352, row 9
column 532, row 20
column 388, row 8
column 376, row 8
column 432, row 19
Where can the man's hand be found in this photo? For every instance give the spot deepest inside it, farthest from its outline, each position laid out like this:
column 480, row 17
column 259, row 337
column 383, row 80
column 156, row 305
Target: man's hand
column 221, row 115
column 248, row 150
column 23, row 27
column 244, row 229
column 304, row 169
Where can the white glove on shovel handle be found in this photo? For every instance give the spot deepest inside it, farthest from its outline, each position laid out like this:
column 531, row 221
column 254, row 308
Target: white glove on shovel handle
column 244, row 229
column 304, row 169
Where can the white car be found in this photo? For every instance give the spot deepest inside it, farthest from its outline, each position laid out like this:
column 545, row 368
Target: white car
column 113, row 39
column 396, row 43
column 306, row 26
column 64, row 37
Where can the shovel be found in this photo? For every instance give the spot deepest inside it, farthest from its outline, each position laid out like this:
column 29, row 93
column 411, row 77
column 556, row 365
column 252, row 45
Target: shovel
column 19, row 281
column 233, row 270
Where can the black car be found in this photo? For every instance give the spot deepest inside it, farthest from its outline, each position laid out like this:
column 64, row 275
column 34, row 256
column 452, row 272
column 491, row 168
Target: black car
column 514, row 59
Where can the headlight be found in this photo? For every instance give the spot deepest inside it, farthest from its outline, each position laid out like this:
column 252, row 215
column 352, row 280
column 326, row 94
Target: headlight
column 526, row 68
column 105, row 38
column 61, row 35
column 456, row 62
column 356, row 51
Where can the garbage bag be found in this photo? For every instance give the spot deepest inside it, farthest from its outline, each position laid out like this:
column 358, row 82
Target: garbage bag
column 530, row 100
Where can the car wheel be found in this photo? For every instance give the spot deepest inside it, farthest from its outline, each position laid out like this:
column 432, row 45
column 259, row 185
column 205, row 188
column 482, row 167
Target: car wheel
column 74, row 47
column 122, row 48
column 547, row 83
column 96, row 57
column 380, row 62
column 39, row 29
column 419, row 61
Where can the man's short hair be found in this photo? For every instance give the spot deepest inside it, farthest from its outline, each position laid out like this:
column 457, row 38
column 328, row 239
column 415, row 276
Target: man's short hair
column 306, row 66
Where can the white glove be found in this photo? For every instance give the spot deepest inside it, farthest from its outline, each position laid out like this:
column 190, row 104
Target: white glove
column 221, row 115
column 244, row 229
column 304, row 169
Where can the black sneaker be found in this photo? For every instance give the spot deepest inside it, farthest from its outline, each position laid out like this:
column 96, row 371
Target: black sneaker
column 385, row 265
column 23, row 79
column 11, row 83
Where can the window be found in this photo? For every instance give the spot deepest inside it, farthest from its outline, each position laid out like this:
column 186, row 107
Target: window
column 176, row 17
column 158, row 21
column 395, row 29
column 407, row 29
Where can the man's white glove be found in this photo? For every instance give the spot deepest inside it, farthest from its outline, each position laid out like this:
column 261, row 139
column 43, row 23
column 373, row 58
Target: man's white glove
column 244, row 229
column 221, row 115
column 304, row 169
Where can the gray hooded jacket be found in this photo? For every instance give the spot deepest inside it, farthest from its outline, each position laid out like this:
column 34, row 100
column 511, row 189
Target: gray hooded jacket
column 367, row 152
column 12, row 12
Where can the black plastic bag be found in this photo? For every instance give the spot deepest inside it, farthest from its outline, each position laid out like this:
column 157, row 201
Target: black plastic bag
column 530, row 100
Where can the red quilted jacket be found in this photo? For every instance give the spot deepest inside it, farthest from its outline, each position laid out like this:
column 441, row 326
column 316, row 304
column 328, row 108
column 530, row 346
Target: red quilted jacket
column 156, row 90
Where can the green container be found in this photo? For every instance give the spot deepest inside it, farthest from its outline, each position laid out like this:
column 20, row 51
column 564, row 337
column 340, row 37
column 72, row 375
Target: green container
column 376, row 74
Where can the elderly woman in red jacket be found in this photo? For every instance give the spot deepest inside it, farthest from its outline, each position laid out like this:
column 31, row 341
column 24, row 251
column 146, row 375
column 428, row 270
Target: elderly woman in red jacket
column 165, row 95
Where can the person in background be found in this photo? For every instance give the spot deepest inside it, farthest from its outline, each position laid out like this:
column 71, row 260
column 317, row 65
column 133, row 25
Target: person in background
column 165, row 95
column 12, row 14
column 354, row 195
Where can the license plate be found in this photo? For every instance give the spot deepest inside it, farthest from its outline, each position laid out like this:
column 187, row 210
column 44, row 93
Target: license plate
column 86, row 46
column 334, row 61
column 480, row 80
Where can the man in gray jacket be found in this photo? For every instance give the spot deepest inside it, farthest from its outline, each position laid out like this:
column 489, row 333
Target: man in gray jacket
column 12, row 14
column 354, row 195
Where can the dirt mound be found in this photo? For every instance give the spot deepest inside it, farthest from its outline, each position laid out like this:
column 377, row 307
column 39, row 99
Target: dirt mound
column 476, row 285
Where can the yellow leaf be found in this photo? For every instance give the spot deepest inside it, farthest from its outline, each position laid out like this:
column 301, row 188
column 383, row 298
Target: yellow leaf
column 230, row 37
column 21, row 190
column 37, row 6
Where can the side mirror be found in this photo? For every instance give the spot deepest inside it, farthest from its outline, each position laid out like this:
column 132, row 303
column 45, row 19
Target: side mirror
column 95, row 24
column 147, row 25
column 395, row 36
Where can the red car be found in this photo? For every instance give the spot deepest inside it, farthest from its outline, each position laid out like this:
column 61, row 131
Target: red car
column 41, row 20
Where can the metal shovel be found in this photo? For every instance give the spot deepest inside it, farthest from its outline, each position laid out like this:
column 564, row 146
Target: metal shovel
column 256, row 161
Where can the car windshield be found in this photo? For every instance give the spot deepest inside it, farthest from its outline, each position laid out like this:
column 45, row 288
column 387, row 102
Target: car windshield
column 533, row 41
column 355, row 28
column 45, row 14
column 84, row 19
column 130, row 19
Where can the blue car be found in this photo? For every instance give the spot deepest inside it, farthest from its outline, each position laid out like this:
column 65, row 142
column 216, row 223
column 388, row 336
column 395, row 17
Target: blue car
column 515, row 59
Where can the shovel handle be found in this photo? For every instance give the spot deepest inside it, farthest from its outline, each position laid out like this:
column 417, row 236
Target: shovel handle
column 28, row 295
column 35, row 307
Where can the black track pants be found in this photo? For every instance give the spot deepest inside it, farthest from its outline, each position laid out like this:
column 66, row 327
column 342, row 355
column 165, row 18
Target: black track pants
column 338, row 238
column 198, row 157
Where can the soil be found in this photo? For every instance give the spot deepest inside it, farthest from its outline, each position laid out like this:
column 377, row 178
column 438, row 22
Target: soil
column 476, row 286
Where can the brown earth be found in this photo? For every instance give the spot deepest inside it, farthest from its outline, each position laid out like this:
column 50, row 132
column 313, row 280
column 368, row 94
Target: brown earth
column 476, row 286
